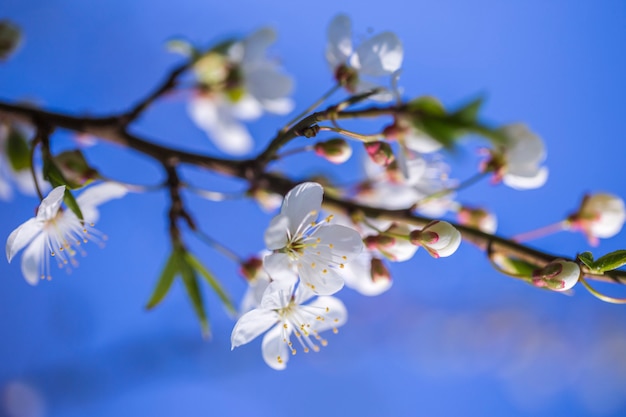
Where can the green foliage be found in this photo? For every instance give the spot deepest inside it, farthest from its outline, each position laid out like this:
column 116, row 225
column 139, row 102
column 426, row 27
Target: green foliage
column 605, row 263
column 187, row 266
column 18, row 150
column 445, row 127
column 10, row 38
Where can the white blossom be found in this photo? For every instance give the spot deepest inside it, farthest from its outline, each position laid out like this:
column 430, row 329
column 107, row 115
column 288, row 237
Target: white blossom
column 283, row 310
column 518, row 161
column 239, row 85
column 317, row 250
column 600, row 215
column 559, row 275
column 58, row 232
column 378, row 56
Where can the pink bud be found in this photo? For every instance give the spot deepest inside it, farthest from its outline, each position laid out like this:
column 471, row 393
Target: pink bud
column 379, row 271
column 380, row 152
column 335, row 150
column 251, row 268
column 559, row 275
column 439, row 238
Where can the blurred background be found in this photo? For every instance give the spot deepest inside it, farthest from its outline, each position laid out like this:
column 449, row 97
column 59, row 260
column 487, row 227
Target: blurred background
column 451, row 337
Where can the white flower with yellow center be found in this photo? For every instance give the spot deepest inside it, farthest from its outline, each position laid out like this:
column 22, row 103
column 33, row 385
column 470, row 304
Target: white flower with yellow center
column 282, row 307
column 315, row 249
column 57, row 232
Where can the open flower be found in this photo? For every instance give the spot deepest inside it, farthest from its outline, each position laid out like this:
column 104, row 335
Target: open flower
column 239, row 84
column 518, row 161
column 316, row 249
column 600, row 215
column 439, row 238
column 376, row 57
column 57, row 232
column 283, row 310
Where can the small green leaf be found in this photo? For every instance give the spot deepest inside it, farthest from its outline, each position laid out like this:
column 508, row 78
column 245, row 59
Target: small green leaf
column 75, row 169
column 469, row 112
column 587, row 259
column 193, row 290
column 18, row 150
column 213, row 282
column 520, row 267
column 166, row 279
column 71, row 203
column 427, row 105
column 610, row 261
column 182, row 47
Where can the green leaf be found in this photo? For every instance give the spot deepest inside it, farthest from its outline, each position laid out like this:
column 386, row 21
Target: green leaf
column 610, row 261
column 71, row 203
column 587, row 259
column 519, row 267
column 166, row 279
column 182, row 47
column 213, row 282
column 18, row 150
column 75, row 169
column 193, row 290
column 469, row 112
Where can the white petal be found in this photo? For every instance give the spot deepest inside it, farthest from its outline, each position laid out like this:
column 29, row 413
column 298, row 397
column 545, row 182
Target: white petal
column 278, row 267
column 265, row 83
column 32, row 258
column 255, row 45
column 276, row 233
column 523, row 182
column 247, row 108
column 379, row 56
column 335, row 313
column 50, row 205
column 320, row 280
column 302, row 204
column 421, row 143
column 218, row 121
column 274, row 349
column 92, row 197
column 364, row 86
column 251, row 325
column 21, row 236
column 345, row 241
column 339, row 46
column 277, row 295
column 279, row 105
column 358, row 276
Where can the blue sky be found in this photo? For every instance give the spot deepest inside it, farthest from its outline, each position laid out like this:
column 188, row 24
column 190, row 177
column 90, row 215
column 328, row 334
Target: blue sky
column 451, row 337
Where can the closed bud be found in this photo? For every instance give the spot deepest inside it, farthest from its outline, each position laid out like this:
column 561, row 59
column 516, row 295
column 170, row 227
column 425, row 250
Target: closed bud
column 335, row 150
column 75, row 168
column 439, row 238
column 600, row 215
column 379, row 271
column 10, row 38
column 559, row 275
column 380, row 152
column 251, row 268
column 347, row 77
column 477, row 218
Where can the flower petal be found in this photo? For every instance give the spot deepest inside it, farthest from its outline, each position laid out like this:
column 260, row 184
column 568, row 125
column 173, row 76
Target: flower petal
column 302, row 204
column 32, row 260
column 21, row 236
column 251, row 325
column 278, row 267
column 339, row 46
column 255, row 45
column 92, row 197
column 320, row 280
column 50, row 205
column 276, row 235
column 344, row 242
column 275, row 352
column 217, row 120
column 335, row 313
column 378, row 56
column 266, row 83
column 358, row 275
column 526, row 181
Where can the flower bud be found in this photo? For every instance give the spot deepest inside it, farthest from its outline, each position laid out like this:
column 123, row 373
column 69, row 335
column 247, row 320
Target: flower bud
column 10, row 38
column 439, row 238
column 380, row 152
column 347, row 77
column 478, row 218
column 379, row 271
column 251, row 268
column 335, row 150
column 599, row 216
column 380, row 242
column 559, row 275
column 75, row 168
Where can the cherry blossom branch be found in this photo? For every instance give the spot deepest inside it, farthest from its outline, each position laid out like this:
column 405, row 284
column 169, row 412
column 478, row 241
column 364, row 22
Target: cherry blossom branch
column 112, row 129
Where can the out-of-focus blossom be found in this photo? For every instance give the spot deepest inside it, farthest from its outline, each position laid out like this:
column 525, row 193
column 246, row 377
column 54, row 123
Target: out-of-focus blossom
column 239, row 84
column 376, row 57
column 600, row 215
column 478, row 218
